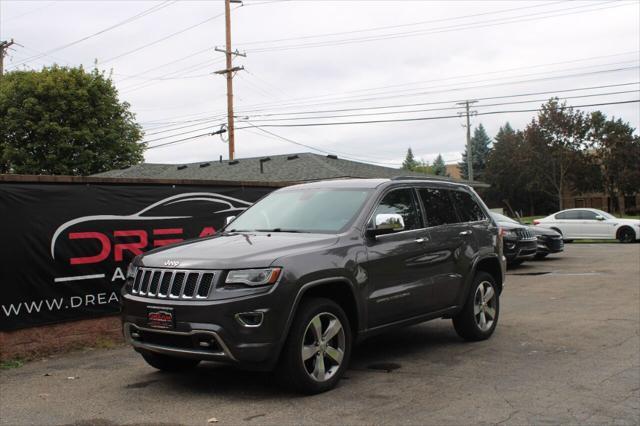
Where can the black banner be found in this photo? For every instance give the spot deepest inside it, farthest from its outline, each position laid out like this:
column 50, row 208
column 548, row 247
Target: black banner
column 65, row 247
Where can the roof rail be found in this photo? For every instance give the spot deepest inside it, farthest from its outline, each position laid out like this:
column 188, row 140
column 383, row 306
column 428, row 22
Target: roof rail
column 420, row 178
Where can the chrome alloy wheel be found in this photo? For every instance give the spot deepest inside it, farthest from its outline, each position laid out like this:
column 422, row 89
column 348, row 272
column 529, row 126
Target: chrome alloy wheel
column 484, row 306
column 323, row 346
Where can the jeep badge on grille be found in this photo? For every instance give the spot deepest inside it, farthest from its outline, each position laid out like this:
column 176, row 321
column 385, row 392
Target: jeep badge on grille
column 172, row 263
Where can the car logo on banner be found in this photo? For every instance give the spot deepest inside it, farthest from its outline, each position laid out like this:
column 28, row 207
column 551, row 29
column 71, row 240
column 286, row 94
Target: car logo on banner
column 90, row 247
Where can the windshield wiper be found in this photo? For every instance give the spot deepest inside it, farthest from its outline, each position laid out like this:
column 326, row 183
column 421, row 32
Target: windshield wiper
column 278, row 230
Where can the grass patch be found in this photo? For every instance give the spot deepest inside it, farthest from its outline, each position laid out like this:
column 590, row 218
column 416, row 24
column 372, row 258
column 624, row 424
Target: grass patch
column 106, row 343
column 11, row 363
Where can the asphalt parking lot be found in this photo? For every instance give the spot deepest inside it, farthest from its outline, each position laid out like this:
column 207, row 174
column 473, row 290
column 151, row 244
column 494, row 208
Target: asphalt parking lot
column 566, row 350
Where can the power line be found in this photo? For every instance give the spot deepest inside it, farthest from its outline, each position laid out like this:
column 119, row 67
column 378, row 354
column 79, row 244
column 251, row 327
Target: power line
column 142, row 85
column 375, row 160
column 199, row 52
column 135, row 17
column 179, row 141
column 431, row 92
column 458, row 27
column 399, row 120
column 439, row 109
column 378, row 88
column 144, row 46
column 388, row 121
column 212, row 119
column 37, row 9
column 391, row 26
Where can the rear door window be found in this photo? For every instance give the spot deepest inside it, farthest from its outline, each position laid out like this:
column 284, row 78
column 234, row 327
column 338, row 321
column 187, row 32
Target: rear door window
column 571, row 215
column 468, row 209
column 438, row 206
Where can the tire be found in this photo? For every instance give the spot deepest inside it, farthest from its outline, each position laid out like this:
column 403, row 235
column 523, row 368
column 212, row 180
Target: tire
column 169, row 363
column 626, row 235
column 307, row 375
column 468, row 322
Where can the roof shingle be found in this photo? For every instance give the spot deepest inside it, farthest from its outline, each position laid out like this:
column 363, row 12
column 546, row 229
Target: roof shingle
column 300, row 167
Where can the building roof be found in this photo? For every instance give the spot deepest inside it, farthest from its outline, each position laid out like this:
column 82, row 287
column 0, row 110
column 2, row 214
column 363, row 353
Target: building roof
column 302, row 167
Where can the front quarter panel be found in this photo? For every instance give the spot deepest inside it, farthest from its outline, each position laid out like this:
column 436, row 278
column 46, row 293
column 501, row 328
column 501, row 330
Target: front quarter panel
column 338, row 263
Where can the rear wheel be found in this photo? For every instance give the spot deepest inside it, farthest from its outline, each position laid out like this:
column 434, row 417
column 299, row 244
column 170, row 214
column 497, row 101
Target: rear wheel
column 169, row 363
column 318, row 347
column 479, row 317
column 626, row 235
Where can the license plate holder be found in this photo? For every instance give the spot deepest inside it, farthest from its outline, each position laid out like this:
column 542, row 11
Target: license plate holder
column 161, row 317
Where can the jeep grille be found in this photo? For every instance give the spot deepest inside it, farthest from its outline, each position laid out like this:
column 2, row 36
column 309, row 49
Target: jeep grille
column 172, row 284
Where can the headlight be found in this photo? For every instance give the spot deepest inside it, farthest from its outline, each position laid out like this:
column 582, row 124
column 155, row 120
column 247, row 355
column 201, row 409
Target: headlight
column 132, row 270
column 510, row 234
column 253, row 277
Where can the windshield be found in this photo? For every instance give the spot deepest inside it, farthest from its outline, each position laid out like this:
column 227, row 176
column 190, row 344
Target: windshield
column 304, row 210
column 605, row 214
column 502, row 218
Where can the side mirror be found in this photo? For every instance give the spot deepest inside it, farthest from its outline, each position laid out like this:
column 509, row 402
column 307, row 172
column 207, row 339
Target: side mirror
column 599, row 217
column 228, row 220
column 386, row 223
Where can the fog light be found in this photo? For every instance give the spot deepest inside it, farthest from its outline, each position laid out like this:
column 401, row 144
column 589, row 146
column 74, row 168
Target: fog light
column 250, row 319
column 135, row 335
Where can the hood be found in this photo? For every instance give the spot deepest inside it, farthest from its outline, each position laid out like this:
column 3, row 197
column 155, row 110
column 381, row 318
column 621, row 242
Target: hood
column 509, row 225
column 235, row 250
column 630, row 222
column 537, row 230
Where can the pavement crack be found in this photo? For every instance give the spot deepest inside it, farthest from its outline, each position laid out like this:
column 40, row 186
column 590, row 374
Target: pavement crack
column 513, row 413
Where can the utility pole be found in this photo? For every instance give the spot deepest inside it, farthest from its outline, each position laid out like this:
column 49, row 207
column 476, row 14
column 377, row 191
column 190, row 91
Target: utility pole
column 4, row 46
column 468, row 126
column 229, row 72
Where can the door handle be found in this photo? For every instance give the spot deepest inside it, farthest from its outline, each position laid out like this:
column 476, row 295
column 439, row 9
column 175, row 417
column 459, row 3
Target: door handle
column 420, row 240
column 468, row 232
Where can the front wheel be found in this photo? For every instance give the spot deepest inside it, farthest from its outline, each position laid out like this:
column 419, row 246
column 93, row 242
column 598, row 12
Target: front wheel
column 479, row 317
column 318, row 347
column 626, row 235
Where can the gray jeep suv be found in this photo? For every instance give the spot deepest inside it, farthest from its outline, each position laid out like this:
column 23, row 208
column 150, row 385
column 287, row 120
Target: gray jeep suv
column 294, row 281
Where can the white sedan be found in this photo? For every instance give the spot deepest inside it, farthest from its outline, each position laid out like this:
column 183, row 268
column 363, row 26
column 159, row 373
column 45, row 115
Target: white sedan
column 591, row 224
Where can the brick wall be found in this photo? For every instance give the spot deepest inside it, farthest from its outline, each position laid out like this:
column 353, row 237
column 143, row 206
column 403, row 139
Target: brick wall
column 49, row 339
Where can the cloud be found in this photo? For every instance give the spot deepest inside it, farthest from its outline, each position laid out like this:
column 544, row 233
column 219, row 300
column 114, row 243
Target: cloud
column 450, row 60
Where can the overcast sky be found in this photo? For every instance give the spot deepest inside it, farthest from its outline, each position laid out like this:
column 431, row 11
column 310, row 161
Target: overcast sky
column 309, row 56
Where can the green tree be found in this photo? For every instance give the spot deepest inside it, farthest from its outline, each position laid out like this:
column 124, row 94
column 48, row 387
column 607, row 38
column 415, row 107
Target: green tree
column 410, row 162
column 556, row 141
column 616, row 151
column 423, row 167
column 438, row 167
column 504, row 169
column 480, row 148
column 65, row 121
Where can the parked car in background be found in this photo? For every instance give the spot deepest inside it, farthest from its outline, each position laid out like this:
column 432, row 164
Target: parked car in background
column 591, row 224
column 310, row 269
column 549, row 241
column 520, row 243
